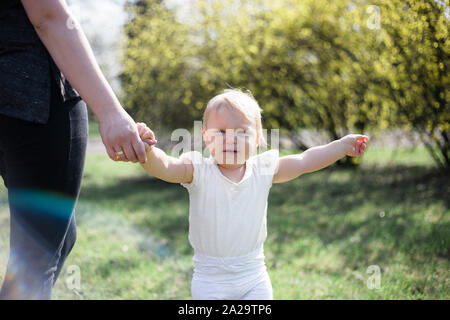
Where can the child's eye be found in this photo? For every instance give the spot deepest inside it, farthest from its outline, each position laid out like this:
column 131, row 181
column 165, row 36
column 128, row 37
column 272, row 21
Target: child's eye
column 237, row 132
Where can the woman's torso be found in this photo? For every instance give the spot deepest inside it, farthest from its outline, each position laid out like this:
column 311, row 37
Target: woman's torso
column 26, row 68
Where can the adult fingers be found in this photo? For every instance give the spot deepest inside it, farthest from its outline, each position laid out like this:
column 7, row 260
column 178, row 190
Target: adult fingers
column 149, row 134
column 110, row 152
column 129, row 152
column 139, row 149
column 119, row 154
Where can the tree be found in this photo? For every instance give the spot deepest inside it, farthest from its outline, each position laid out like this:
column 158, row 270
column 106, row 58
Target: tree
column 341, row 66
column 417, row 48
column 156, row 76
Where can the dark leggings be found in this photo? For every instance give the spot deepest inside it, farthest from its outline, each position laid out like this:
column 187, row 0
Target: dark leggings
column 42, row 167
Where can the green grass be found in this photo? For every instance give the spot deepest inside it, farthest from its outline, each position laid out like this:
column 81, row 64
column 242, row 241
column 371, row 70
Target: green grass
column 324, row 230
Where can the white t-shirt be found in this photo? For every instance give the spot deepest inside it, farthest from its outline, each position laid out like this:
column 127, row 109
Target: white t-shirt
column 228, row 219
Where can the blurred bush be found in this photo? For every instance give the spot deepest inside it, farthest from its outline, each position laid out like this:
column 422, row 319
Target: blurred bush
column 341, row 66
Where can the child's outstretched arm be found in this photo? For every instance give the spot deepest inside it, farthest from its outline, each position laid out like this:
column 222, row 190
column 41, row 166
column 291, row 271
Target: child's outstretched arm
column 316, row 158
column 161, row 165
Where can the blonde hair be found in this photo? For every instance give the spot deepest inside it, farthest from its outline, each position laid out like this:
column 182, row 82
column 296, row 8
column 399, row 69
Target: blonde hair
column 240, row 101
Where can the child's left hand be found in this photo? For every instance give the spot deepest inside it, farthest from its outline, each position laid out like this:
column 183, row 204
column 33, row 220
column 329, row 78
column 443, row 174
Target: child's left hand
column 354, row 144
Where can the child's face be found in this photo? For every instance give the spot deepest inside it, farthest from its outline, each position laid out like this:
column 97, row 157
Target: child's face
column 230, row 138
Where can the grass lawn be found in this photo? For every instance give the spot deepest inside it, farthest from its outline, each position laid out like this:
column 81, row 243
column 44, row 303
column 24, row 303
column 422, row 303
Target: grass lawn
column 324, row 231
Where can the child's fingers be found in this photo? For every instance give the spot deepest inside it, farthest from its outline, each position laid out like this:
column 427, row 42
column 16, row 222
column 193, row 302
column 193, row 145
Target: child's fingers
column 148, row 134
column 362, row 138
column 141, row 128
column 359, row 144
column 363, row 148
column 150, row 141
column 144, row 131
column 358, row 150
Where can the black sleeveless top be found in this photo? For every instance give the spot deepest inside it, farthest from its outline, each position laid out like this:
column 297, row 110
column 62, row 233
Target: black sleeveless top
column 26, row 68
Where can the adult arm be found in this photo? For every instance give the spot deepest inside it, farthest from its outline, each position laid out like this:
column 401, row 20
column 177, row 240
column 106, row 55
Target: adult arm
column 69, row 48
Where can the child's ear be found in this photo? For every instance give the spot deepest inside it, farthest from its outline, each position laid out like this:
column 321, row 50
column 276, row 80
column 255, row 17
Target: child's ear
column 205, row 135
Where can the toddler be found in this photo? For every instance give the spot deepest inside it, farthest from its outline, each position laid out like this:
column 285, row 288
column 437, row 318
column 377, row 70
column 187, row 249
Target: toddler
column 228, row 193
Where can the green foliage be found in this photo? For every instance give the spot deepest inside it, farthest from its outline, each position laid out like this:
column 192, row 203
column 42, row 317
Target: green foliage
column 156, row 71
column 416, row 51
column 341, row 66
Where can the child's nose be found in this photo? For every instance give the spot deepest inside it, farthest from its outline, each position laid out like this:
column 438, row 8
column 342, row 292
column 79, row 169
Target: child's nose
column 229, row 137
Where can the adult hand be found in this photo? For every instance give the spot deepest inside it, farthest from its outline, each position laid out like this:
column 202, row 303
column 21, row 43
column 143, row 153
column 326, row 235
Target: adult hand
column 120, row 137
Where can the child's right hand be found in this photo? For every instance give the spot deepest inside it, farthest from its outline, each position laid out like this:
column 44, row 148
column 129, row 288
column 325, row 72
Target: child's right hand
column 147, row 135
column 354, row 144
